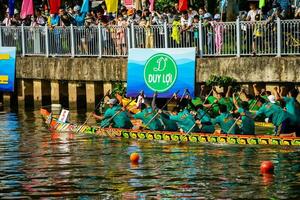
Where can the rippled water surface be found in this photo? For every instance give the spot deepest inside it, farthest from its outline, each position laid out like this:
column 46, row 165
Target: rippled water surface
column 38, row 164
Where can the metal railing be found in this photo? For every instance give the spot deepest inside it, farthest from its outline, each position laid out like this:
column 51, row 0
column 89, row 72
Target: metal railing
column 239, row 38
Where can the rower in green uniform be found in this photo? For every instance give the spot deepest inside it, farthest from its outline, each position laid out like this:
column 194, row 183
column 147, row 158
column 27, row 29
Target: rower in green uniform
column 226, row 121
column 183, row 117
column 114, row 116
column 280, row 118
column 292, row 106
column 221, row 99
column 164, row 117
column 147, row 114
column 205, row 123
column 248, row 124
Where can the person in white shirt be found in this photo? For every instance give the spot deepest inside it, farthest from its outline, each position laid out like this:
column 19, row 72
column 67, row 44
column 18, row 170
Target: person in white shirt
column 7, row 19
column 186, row 21
column 253, row 12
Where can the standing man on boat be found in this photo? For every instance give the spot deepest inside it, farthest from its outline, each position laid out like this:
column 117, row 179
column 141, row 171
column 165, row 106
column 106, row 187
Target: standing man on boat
column 114, row 116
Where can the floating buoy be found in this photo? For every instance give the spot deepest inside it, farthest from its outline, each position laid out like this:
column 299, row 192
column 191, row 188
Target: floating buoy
column 134, row 157
column 266, row 167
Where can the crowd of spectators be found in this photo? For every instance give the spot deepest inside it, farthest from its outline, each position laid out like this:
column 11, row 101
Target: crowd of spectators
column 70, row 14
column 183, row 22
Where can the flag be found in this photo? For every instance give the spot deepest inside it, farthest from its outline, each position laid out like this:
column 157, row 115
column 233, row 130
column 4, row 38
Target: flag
column 112, row 6
column 85, row 6
column 151, row 8
column 138, row 5
column 262, row 3
column 11, row 6
column 182, row 5
column 54, row 6
column 128, row 3
column 223, row 5
column 27, row 8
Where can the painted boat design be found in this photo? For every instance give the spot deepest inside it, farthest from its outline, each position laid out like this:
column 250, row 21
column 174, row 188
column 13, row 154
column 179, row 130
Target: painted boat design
column 54, row 124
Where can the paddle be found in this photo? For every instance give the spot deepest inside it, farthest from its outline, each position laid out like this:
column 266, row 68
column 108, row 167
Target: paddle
column 211, row 106
column 96, row 107
column 119, row 111
column 162, row 108
column 228, row 132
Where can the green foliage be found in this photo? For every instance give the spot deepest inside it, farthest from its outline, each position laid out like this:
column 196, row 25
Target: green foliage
column 223, row 81
column 118, row 88
column 161, row 4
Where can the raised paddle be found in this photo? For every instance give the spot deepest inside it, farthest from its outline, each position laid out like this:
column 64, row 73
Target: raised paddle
column 162, row 108
column 119, row 111
column 96, row 107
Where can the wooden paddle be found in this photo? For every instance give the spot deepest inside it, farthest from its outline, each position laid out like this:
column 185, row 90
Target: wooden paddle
column 228, row 132
column 211, row 106
column 96, row 107
column 162, row 108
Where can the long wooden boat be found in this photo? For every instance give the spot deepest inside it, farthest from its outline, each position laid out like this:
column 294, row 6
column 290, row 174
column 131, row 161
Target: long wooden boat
column 58, row 126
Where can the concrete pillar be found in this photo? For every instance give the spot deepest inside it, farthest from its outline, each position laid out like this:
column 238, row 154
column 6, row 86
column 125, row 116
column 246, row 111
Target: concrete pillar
column 28, row 92
column 90, row 95
column 46, row 92
column 72, row 88
column 63, row 94
column 20, row 91
column 37, row 92
column 107, row 86
column 54, row 92
column 6, row 99
column 98, row 89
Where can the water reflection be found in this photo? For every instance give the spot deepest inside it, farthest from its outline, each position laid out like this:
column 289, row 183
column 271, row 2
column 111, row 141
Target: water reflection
column 36, row 164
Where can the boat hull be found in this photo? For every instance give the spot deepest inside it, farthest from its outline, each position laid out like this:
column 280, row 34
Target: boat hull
column 54, row 124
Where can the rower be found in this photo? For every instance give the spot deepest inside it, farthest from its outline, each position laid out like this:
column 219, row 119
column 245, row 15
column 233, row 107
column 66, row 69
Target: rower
column 184, row 119
column 292, row 106
column 280, row 118
column 164, row 117
column 119, row 120
column 226, row 121
column 204, row 120
column 248, row 124
column 146, row 114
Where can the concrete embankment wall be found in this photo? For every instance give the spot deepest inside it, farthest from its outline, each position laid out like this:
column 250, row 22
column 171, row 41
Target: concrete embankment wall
column 81, row 82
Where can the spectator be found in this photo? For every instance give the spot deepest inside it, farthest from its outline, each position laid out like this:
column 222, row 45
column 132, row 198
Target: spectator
column 202, row 11
column 186, row 24
column 253, row 12
column 78, row 17
column 208, row 32
column 40, row 20
column 192, row 13
column 7, row 19
column 257, row 34
column 218, row 30
column 121, row 39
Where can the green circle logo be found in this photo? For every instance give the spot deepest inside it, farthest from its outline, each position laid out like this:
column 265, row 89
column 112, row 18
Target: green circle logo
column 160, row 72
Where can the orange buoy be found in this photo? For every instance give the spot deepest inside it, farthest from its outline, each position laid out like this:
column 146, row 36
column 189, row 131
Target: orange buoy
column 266, row 167
column 134, row 157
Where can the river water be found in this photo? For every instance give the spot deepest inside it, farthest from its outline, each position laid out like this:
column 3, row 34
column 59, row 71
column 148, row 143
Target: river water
column 38, row 164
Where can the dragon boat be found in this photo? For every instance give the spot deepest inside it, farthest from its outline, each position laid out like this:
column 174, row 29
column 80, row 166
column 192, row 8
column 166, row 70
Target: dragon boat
column 58, row 126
